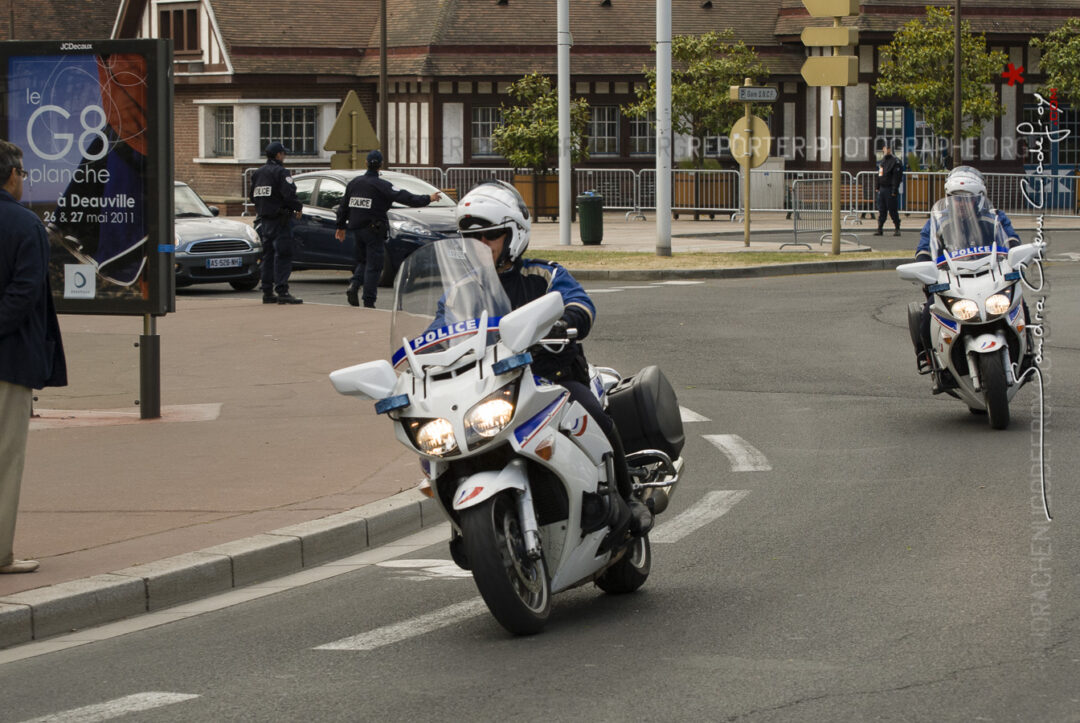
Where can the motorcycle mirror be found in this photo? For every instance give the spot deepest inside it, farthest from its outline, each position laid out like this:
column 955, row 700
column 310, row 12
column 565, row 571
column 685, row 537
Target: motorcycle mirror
column 1020, row 255
column 371, row 380
column 923, row 272
column 523, row 327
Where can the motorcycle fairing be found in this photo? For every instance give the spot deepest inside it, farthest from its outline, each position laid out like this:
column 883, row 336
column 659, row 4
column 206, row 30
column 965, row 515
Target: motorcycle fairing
column 527, row 430
column 953, row 326
column 484, row 485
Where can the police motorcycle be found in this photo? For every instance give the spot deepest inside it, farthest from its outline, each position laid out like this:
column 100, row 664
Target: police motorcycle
column 523, row 474
column 979, row 349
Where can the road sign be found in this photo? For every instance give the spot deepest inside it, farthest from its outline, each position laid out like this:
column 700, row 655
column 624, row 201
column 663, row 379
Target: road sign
column 752, row 94
column 824, row 37
column 760, row 140
column 352, row 130
column 831, row 8
column 836, row 70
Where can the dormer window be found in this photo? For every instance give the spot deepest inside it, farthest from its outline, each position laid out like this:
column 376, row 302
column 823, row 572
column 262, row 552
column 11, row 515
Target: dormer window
column 181, row 23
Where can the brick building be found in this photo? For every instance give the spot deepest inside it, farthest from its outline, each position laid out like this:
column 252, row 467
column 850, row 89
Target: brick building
column 250, row 70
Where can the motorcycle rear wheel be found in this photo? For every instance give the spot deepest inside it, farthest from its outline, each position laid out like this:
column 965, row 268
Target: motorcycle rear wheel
column 629, row 573
column 515, row 588
column 995, row 389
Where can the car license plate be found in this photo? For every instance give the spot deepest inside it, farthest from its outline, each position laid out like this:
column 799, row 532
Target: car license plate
column 228, row 262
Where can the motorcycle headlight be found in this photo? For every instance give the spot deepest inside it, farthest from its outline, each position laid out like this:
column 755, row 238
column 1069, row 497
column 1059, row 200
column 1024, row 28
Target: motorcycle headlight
column 964, row 309
column 435, row 437
column 490, row 416
column 997, row 304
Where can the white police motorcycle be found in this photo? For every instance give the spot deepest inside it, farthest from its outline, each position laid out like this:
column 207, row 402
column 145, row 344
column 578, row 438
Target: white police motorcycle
column 979, row 349
column 522, row 472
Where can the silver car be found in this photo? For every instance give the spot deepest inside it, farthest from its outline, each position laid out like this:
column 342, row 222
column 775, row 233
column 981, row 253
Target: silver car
column 212, row 250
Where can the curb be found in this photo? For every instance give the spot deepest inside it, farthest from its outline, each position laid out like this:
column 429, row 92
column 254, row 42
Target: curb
column 741, row 272
column 55, row 609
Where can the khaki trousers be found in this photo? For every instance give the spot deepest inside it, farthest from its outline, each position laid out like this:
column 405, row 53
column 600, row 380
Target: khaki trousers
column 16, row 403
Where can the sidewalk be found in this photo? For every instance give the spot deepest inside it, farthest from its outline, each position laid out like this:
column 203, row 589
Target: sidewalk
column 256, row 469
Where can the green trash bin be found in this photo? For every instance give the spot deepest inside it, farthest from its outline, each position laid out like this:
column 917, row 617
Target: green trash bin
column 590, row 206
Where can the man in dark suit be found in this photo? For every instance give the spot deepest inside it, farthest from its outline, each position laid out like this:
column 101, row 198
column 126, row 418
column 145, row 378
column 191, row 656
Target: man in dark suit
column 889, row 177
column 31, row 351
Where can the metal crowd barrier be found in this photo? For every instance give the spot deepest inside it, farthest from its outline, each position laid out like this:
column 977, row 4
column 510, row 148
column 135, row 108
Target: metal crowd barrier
column 811, row 211
column 713, row 192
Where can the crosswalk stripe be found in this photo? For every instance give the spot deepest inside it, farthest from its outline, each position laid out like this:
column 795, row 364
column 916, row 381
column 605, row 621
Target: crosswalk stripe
column 701, row 513
column 688, row 415
column 115, row 708
column 390, row 634
column 744, row 457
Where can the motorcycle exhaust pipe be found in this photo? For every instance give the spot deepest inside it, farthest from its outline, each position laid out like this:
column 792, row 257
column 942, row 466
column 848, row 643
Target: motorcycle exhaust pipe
column 656, row 499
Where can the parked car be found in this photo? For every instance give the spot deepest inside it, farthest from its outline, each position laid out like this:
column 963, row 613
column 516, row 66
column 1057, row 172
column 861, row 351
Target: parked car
column 410, row 228
column 211, row 250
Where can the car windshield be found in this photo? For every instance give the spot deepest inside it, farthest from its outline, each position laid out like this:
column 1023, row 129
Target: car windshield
column 965, row 221
column 412, row 184
column 440, row 293
column 188, row 203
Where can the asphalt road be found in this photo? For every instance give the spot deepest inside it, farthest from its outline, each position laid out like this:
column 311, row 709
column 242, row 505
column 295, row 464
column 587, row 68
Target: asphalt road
column 880, row 555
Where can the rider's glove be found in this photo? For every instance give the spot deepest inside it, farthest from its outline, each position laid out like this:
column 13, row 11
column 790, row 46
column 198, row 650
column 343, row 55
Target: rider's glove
column 558, row 330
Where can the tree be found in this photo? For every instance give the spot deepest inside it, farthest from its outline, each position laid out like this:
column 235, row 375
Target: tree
column 1061, row 61
column 703, row 68
column 529, row 134
column 919, row 69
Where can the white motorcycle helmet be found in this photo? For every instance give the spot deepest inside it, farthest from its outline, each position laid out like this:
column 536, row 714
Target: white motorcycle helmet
column 965, row 179
column 490, row 208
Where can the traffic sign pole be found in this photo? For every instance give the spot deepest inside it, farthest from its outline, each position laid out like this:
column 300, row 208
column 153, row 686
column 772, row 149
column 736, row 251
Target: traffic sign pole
column 746, row 170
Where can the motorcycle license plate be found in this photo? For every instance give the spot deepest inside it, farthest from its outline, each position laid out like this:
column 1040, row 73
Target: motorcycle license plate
column 227, row 262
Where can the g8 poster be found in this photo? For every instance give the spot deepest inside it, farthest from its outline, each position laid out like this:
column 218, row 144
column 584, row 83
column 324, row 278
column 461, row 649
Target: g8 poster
column 94, row 122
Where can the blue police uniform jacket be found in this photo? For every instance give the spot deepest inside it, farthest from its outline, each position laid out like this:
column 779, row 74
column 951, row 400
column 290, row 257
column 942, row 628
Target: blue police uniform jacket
column 368, row 197
column 273, row 191
column 31, row 350
column 528, row 280
column 924, row 235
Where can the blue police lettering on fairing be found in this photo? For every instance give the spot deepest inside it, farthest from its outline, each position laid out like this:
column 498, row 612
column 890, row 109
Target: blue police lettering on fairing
column 973, row 252
column 526, row 431
column 443, row 333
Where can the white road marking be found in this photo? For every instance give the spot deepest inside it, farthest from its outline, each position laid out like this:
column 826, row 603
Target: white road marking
column 115, row 708
column 390, row 634
column 691, row 416
column 427, row 569
column 744, row 457
column 590, row 292
column 707, row 509
column 678, row 283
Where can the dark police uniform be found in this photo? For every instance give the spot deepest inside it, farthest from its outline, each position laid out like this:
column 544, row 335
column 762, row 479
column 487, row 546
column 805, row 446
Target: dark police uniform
column 363, row 211
column 890, row 175
column 274, row 195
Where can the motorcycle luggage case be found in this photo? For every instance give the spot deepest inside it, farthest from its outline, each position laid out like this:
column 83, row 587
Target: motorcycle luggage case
column 646, row 413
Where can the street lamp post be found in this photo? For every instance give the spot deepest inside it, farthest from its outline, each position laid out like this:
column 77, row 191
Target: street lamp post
column 957, row 60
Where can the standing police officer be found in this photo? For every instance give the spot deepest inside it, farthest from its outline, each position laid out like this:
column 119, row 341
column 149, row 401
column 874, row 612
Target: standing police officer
column 363, row 211
column 889, row 176
column 274, row 195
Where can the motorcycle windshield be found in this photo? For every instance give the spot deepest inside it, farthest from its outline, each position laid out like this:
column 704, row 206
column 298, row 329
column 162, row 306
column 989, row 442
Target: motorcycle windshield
column 441, row 291
column 965, row 226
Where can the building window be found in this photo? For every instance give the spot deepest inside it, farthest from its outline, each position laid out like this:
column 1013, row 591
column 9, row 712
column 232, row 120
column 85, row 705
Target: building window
column 224, row 132
column 1065, row 152
column 604, row 130
column 293, row 126
column 889, row 128
column 643, row 134
column 929, row 149
column 484, row 122
column 182, row 25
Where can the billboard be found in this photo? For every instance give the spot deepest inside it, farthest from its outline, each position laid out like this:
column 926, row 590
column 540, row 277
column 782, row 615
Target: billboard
column 94, row 122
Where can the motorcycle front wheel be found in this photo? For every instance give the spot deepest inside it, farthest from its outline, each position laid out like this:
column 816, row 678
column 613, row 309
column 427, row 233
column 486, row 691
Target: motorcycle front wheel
column 995, row 389
column 515, row 588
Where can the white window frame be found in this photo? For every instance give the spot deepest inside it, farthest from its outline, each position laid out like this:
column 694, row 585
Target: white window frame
column 484, row 120
column 603, row 132
column 247, row 150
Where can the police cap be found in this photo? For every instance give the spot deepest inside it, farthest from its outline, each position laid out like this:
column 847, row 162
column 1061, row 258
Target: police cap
column 274, row 148
column 374, row 158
